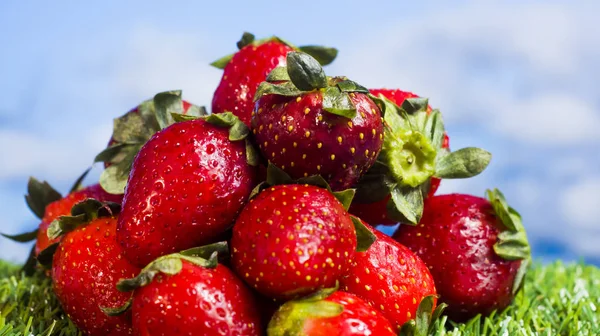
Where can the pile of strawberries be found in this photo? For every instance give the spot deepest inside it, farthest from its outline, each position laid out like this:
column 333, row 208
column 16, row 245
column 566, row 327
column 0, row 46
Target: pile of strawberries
column 257, row 219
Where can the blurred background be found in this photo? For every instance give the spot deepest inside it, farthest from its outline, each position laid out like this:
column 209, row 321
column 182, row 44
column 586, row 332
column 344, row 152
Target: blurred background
column 519, row 78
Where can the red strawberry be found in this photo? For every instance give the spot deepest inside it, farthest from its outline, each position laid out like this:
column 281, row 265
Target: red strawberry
column 332, row 314
column 86, row 267
column 292, row 240
column 133, row 129
column 186, row 186
column 414, row 152
column 476, row 249
column 182, row 295
column 311, row 124
column 376, row 212
column 247, row 68
column 390, row 278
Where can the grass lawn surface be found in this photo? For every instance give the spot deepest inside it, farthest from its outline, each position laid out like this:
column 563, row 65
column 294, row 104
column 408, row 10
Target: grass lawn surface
column 558, row 299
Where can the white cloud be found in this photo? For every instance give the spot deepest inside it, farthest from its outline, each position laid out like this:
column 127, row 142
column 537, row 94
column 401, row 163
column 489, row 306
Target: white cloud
column 581, row 204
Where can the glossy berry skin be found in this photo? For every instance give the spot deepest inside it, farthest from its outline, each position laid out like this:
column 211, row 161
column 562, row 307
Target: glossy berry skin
column 196, row 301
column 389, row 277
column 291, row 240
column 298, row 136
column 357, row 319
column 186, row 186
column 63, row 206
column 241, row 76
column 455, row 239
column 86, row 268
column 376, row 212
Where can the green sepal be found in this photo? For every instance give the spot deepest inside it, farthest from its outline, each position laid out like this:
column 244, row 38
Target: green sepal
column 81, row 213
column 22, row 237
column 39, row 195
column 116, row 311
column 345, row 197
column 246, row 39
column 406, row 205
column 282, row 89
column 258, row 189
column 78, row 184
column 170, row 265
column 45, row 256
column 279, row 74
column 351, row 86
column 434, row 129
column 339, row 103
column 373, row 186
column 291, row 316
column 276, row 176
column 252, row 155
column 114, row 178
column 206, row 251
column 512, row 243
column 424, row 321
column 364, row 237
column 30, row 264
column 414, row 105
column 165, row 104
column 519, row 282
column 237, row 129
column 183, row 117
column 222, row 62
column 463, row 163
column 324, row 55
column 305, row 72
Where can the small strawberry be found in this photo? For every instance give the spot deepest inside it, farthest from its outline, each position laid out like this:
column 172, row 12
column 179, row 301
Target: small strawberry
column 476, row 250
column 184, row 294
column 329, row 312
column 132, row 130
column 414, row 152
column 291, row 240
column 307, row 124
column 248, row 67
column 86, row 266
column 390, row 278
column 48, row 204
column 186, row 186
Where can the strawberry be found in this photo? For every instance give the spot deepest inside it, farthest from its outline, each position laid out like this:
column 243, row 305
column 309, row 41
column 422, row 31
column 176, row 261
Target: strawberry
column 390, row 278
column 186, row 186
column 247, row 68
column 476, row 249
column 183, row 294
column 291, row 240
column 307, row 124
column 48, row 204
column 414, row 152
column 86, row 266
column 132, row 130
column 332, row 313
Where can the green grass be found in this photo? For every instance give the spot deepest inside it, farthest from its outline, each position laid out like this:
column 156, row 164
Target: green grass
column 558, row 300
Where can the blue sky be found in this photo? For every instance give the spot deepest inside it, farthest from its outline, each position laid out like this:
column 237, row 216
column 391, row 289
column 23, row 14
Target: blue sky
column 520, row 79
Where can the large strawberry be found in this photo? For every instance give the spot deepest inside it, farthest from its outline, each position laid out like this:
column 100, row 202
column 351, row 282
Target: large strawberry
column 376, row 212
column 476, row 250
column 48, row 204
column 291, row 240
column 190, row 293
column 412, row 154
column 329, row 312
column 86, row 266
column 248, row 67
column 132, row 130
column 389, row 277
column 186, row 186
column 307, row 124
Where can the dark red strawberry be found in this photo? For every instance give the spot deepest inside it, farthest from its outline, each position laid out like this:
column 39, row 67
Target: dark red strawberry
column 48, row 204
column 86, row 266
column 331, row 314
column 475, row 248
column 186, row 187
column 248, row 67
column 307, row 124
column 179, row 294
column 292, row 240
column 389, row 277
column 414, row 153
column 132, row 130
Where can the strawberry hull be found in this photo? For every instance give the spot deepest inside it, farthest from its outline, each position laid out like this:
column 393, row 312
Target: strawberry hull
column 185, row 189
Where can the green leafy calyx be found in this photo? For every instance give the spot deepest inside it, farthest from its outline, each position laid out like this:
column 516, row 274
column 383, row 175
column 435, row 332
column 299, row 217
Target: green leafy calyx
column 39, row 195
column 512, row 241
column 424, row 321
column 82, row 213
